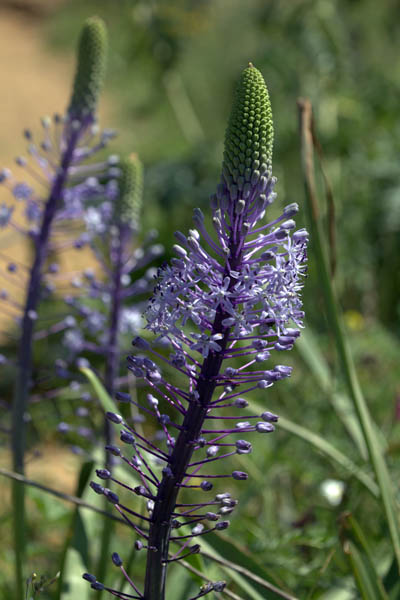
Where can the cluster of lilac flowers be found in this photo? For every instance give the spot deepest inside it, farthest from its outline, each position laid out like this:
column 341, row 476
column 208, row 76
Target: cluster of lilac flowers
column 81, row 186
column 231, row 294
column 100, row 321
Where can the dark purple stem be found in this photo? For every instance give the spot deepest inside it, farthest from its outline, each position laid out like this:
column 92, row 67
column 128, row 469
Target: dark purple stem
column 32, row 300
column 165, row 503
column 22, row 386
column 112, row 356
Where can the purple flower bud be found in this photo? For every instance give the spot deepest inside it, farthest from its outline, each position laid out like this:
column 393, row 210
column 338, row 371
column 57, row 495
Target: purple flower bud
column 141, row 343
column 97, row 586
column 96, row 487
column 114, row 417
column 281, row 234
column 291, row 209
column 138, row 545
column 113, row 450
column 262, row 427
column 63, row 427
column 239, row 475
column 263, row 356
column 221, row 497
column 242, row 425
column 229, row 502
column 89, row 577
column 123, row 397
column 219, row 586
column 103, row 473
column 111, row 496
column 117, row 560
column 301, row 235
column 226, row 510
column 198, row 529
column 180, row 251
column 230, row 371
column 212, row 451
column 289, row 224
column 263, row 384
column 206, row 486
column 152, row 401
column 269, row 416
column 210, row 516
column 222, row 525
column 243, row 447
column 282, row 347
column 241, row 403
column 127, row 437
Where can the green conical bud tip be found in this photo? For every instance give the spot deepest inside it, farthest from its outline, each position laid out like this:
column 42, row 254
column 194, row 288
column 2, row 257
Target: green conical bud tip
column 91, row 66
column 129, row 202
column 249, row 135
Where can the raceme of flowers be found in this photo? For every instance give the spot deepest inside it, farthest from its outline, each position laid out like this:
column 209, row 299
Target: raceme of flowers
column 100, row 315
column 230, row 297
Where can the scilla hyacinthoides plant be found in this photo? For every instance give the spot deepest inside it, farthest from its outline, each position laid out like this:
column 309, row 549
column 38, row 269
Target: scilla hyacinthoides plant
column 234, row 294
column 101, row 318
column 59, row 158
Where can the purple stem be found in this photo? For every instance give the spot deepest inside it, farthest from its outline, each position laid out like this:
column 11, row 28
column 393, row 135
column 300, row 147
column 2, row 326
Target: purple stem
column 112, row 355
column 22, row 386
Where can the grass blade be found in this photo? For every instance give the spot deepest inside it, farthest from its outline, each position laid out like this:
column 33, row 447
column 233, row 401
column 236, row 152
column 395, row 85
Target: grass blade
column 326, row 448
column 75, row 552
column 241, row 574
column 105, row 400
column 356, row 548
column 312, row 355
column 348, row 369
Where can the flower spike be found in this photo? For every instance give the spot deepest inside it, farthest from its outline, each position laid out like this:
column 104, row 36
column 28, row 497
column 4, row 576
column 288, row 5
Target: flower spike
column 250, row 134
column 224, row 307
column 90, row 71
column 129, row 201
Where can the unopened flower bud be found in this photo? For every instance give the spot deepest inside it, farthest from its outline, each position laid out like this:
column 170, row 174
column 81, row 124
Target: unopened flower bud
column 264, row 427
column 117, row 560
column 90, row 70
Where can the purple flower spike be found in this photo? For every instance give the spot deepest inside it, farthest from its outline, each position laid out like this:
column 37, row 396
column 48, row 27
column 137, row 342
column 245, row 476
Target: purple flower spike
column 230, row 295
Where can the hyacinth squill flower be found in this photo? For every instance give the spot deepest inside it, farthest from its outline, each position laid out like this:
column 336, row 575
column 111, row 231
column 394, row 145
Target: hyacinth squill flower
column 100, row 318
column 229, row 298
column 58, row 161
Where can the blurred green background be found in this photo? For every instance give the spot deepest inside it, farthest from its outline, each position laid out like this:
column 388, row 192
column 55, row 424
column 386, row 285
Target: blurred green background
column 172, row 71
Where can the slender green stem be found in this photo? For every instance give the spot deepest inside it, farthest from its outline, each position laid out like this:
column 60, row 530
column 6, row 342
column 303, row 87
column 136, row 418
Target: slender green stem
column 348, row 369
column 67, row 497
column 243, row 571
column 189, row 567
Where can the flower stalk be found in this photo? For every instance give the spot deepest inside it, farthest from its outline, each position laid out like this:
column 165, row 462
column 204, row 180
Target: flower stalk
column 79, row 119
column 125, row 220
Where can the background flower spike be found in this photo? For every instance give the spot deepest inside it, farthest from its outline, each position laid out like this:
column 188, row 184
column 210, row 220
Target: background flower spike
column 91, row 67
column 129, row 201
